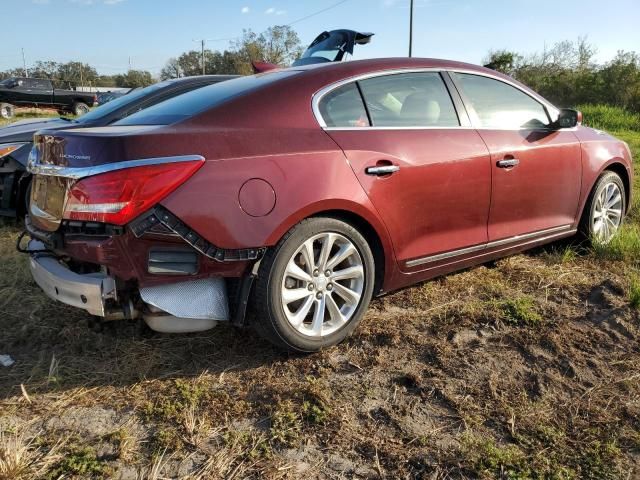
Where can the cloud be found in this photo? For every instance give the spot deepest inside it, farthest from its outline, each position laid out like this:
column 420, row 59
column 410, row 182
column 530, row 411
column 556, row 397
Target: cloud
column 273, row 11
column 40, row 2
column 112, row 2
column 245, row 10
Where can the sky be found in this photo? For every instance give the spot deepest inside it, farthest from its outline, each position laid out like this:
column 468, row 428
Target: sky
column 109, row 33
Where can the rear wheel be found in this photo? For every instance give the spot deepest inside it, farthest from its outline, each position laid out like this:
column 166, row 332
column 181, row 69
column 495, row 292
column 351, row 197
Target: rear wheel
column 80, row 108
column 7, row 111
column 314, row 286
column 605, row 208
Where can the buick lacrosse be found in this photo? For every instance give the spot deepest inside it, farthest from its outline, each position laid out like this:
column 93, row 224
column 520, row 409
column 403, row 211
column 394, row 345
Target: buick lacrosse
column 300, row 194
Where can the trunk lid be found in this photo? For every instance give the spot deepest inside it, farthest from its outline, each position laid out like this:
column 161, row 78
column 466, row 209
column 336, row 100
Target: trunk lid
column 55, row 156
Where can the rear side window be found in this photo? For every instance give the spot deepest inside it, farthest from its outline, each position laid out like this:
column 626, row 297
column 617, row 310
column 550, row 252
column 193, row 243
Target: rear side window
column 41, row 84
column 499, row 105
column 409, row 100
column 343, row 107
column 196, row 101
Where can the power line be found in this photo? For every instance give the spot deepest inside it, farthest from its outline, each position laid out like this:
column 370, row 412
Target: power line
column 318, row 12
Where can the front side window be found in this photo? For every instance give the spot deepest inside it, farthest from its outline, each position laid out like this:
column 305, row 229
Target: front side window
column 500, row 105
column 409, row 100
column 343, row 107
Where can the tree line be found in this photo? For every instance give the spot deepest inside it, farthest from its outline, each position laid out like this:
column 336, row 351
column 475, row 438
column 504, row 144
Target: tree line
column 568, row 75
column 279, row 45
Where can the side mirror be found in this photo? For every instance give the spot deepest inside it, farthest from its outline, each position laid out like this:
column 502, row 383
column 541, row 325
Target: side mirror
column 568, row 118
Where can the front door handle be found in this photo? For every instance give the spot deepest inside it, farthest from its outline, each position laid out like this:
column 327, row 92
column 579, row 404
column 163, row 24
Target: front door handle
column 382, row 170
column 508, row 163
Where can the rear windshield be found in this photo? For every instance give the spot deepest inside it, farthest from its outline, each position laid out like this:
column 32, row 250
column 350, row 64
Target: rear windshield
column 196, row 101
column 113, row 105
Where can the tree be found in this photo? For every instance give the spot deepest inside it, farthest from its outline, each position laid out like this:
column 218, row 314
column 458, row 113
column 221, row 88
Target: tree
column 134, row 79
column 190, row 63
column 502, row 61
column 279, row 45
column 171, row 69
column 567, row 74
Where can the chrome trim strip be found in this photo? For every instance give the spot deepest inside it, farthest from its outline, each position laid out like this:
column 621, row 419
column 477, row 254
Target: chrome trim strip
column 82, row 172
column 445, row 255
column 315, row 101
column 543, row 234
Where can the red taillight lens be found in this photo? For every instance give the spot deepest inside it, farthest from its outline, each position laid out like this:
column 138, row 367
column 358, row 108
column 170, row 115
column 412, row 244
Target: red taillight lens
column 120, row 196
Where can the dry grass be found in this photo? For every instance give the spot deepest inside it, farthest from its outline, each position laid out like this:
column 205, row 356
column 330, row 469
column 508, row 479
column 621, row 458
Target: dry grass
column 23, row 458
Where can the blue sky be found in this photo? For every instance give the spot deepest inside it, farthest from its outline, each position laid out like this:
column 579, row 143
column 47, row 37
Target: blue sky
column 105, row 33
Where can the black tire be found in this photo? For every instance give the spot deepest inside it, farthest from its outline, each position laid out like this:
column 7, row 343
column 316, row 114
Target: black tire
column 80, row 108
column 7, row 111
column 586, row 227
column 270, row 320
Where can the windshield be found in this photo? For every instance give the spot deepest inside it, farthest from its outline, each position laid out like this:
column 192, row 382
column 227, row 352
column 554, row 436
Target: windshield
column 113, row 105
column 192, row 103
column 7, row 82
column 328, row 45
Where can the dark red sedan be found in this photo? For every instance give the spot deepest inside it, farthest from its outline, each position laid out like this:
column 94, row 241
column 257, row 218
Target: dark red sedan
column 307, row 191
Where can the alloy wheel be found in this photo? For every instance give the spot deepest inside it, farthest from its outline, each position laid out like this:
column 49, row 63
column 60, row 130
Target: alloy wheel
column 322, row 285
column 607, row 212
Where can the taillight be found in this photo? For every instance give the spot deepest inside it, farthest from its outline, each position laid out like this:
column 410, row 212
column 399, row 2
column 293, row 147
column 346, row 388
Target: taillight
column 120, row 196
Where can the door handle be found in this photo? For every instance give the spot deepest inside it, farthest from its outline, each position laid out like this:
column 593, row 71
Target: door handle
column 382, row 170
column 508, row 163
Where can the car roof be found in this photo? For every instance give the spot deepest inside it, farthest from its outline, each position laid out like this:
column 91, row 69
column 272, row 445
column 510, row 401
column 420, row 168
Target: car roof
column 201, row 78
column 374, row 64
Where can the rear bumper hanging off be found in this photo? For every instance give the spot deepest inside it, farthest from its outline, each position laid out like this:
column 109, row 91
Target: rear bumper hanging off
column 88, row 292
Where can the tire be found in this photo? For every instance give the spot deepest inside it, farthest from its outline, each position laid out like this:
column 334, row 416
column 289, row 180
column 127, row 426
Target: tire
column 7, row 111
column 290, row 325
column 80, row 108
column 609, row 191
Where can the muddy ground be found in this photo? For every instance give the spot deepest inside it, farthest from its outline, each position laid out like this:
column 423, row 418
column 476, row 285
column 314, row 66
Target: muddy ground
column 528, row 367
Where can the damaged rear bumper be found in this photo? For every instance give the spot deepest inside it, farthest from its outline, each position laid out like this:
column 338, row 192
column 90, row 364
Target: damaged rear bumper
column 89, row 292
column 183, row 306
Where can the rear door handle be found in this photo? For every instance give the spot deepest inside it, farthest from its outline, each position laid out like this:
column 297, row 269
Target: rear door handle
column 382, row 170
column 508, row 163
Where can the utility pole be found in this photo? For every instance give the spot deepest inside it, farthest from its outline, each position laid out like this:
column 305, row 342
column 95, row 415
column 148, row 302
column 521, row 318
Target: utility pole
column 410, row 28
column 202, row 53
column 202, row 44
column 129, row 63
column 24, row 64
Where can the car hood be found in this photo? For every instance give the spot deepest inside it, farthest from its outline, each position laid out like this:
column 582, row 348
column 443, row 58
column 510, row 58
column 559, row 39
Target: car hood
column 23, row 131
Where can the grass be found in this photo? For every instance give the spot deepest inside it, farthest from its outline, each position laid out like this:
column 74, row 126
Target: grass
column 22, row 458
column 519, row 311
column 610, row 118
column 30, row 113
column 524, row 368
column 634, row 291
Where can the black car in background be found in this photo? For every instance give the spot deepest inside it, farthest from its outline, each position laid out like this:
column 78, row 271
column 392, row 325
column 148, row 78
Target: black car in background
column 16, row 139
column 39, row 93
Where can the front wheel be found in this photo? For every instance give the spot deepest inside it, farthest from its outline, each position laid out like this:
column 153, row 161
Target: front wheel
column 314, row 287
column 605, row 208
